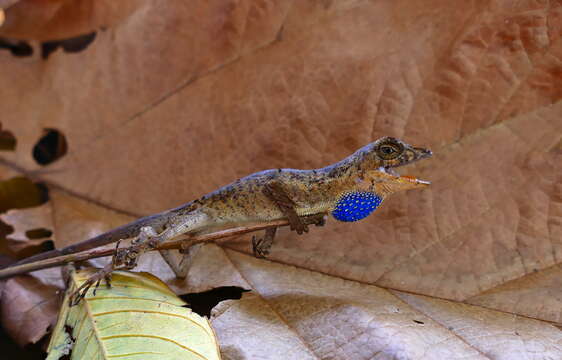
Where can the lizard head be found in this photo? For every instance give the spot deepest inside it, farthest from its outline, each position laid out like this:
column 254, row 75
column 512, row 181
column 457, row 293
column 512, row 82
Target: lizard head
column 390, row 153
column 382, row 157
column 377, row 178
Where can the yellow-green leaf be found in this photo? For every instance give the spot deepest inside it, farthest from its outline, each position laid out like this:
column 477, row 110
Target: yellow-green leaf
column 139, row 317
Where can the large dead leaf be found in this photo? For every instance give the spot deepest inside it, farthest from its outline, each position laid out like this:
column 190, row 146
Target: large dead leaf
column 184, row 97
column 303, row 314
column 29, row 308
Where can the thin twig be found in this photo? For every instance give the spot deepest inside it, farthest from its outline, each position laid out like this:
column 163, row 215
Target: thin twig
column 96, row 253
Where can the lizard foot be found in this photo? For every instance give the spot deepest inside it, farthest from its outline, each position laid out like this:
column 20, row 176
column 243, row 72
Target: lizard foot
column 261, row 247
column 124, row 259
column 96, row 279
column 317, row 219
column 277, row 193
column 104, row 273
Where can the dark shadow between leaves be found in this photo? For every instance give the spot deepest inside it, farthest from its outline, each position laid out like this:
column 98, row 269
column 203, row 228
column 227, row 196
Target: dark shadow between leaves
column 202, row 303
column 16, row 47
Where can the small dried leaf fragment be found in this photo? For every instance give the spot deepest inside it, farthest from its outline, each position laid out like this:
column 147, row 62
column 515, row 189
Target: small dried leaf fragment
column 26, row 210
column 23, row 220
column 138, row 315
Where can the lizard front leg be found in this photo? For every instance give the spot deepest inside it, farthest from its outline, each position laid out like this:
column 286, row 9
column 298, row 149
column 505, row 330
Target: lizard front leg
column 277, row 193
column 261, row 247
column 180, row 261
column 274, row 191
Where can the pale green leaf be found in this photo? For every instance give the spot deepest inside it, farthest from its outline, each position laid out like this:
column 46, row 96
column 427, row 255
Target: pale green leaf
column 139, row 317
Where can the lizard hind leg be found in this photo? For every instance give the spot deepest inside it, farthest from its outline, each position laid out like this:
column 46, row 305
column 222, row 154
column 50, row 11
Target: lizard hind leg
column 180, row 261
column 147, row 239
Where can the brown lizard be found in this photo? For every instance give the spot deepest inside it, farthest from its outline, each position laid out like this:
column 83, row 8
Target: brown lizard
column 349, row 190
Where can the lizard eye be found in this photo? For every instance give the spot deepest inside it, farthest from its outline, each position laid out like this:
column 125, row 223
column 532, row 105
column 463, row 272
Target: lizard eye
column 389, row 151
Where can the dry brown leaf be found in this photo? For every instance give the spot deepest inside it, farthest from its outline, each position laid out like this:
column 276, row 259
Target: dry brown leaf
column 60, row 19
column 25, row 222
column 76, row 219
column 29, row 308
column 7, row 3
column 520, row 295
column 184, row 97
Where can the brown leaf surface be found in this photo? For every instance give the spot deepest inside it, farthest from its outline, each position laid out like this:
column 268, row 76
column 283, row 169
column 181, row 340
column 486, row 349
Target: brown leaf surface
column 29, row 308
column 60, row 19
column 183, row 97
column 304, row 314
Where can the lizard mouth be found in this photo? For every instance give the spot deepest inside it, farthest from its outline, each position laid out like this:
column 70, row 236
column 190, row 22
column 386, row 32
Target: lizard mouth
column 390, row 171
column 412, row 155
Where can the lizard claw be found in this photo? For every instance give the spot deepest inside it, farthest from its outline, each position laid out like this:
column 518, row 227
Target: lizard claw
column 125, row 258
column 261, row 247
column 317, row 220
column 260, row 251
column 299, row 226
column 80, row 293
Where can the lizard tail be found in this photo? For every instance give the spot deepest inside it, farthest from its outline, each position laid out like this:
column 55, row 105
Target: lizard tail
column 122, row 232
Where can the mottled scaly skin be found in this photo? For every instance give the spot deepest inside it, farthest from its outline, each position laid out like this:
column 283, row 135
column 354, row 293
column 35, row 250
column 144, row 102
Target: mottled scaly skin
column 313, row 191
column 244, row 201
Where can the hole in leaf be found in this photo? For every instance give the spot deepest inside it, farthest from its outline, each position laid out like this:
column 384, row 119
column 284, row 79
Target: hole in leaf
column 22, row 250
column 17, row 48
column 20, row 192
column 71, row 45
column 51, row 147
column 5, row 229
column 78, row 43
column 202, row 303
column 7, row 255
column 69, row 330
column 48, row 47
column 39, row 233
column 7, row 140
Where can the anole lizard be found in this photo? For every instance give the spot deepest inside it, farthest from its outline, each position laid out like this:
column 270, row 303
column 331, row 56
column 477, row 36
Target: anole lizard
column 349, row 190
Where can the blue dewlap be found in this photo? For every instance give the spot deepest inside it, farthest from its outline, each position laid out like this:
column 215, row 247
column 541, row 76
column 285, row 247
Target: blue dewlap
column 356, row 205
